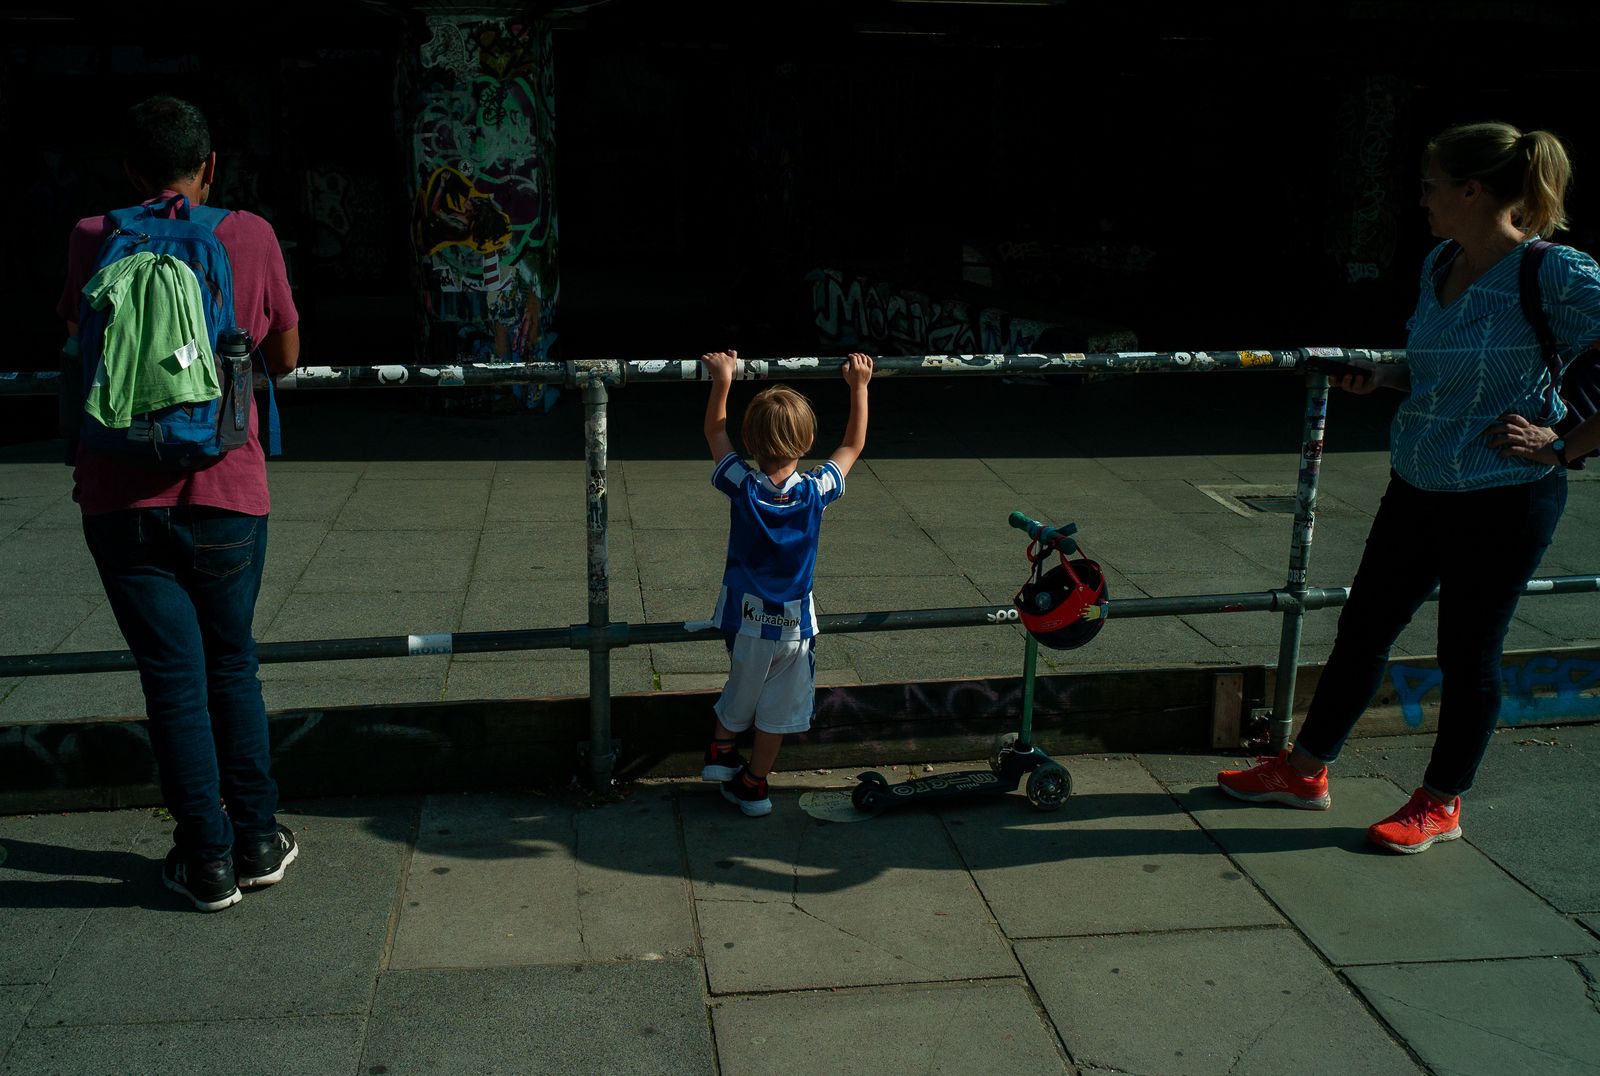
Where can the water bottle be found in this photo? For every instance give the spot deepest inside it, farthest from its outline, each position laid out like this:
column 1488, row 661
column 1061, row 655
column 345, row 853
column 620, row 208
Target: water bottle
column 233, row 356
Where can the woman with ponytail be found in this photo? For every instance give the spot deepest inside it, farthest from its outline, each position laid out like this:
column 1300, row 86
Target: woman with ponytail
column 1475, row 489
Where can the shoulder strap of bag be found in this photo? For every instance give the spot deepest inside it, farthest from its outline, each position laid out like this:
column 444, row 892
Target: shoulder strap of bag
column 1533, row 312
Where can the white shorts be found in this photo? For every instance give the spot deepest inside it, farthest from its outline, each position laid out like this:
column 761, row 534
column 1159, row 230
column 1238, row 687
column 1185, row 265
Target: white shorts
column 771, row 683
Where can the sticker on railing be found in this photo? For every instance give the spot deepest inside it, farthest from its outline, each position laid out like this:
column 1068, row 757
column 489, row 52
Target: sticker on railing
column 439, row 643
column 1255, row 358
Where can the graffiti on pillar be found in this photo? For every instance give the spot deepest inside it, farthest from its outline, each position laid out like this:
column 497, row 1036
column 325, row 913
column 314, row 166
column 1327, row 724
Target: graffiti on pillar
column 1365, row 228
column 483, row 222
column 350, row 233
column 1541, row 687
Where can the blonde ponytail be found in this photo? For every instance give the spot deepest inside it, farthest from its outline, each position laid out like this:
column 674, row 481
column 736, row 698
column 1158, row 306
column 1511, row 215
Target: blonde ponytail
column 1530, row 170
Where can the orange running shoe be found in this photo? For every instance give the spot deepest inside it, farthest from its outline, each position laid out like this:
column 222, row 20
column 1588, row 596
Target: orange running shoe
column 1273, row 780
column 1416, row 826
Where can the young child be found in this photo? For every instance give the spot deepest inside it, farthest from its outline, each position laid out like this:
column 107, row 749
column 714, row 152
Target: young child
column 765, row 608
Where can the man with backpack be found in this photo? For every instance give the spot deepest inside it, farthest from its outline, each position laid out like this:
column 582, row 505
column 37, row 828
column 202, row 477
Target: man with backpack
column 179, row 537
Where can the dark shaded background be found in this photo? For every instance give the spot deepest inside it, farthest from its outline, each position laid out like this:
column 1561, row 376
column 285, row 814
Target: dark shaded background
column 1189, row 172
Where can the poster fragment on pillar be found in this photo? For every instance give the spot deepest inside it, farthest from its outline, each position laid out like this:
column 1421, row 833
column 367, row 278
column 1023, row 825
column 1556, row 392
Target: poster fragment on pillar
column 483, row 221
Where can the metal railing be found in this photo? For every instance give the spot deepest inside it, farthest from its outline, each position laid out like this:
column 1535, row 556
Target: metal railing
column 600, row 635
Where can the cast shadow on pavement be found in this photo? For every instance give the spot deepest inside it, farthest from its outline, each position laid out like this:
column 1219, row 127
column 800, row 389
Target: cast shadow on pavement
column 82, row 878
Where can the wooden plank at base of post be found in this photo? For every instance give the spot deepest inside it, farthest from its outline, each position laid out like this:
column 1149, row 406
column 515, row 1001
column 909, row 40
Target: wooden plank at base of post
column 1227, row 708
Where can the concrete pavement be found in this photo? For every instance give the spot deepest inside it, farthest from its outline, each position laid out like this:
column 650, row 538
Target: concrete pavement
column 1150, row 926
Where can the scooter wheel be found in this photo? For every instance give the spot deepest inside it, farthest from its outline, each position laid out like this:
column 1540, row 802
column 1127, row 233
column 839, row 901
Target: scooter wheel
column 1049, row 786
column 1002, row 744
column 870, row 785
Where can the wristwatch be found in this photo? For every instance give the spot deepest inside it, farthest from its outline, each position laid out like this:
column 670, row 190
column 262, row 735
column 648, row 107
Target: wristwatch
column 1559, row 447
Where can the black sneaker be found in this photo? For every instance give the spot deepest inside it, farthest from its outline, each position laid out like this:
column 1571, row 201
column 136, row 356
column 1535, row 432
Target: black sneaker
column 721, row 765
column 261, row 862
column 209, row 883
column 751, row 798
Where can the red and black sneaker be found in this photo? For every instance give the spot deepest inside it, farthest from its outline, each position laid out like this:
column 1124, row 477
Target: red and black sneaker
column 723, row 761
column 749, row 792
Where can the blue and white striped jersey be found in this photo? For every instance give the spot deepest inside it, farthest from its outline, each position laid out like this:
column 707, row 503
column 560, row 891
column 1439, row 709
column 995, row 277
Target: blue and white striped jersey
column 772, row 548
column 1478, row 358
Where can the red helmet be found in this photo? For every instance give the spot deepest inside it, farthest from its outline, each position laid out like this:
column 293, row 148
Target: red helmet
column 1053, row 604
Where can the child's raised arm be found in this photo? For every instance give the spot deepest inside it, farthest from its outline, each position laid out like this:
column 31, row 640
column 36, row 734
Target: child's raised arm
column 857, row 372
column 720, row 366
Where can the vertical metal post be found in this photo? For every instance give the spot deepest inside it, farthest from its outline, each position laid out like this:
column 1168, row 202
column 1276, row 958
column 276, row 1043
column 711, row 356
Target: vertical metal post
column 1305, row 519
column 1030, row 660
column 602, row 754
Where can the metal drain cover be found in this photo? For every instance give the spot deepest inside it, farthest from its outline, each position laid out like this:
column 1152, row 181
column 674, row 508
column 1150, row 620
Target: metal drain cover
column 1253, row 501
column 1269, row 503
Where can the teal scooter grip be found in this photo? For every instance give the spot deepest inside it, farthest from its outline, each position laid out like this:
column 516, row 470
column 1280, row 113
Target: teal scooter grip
column 1046, row 535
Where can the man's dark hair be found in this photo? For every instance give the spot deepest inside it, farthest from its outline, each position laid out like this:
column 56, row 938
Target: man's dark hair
column 165, row 138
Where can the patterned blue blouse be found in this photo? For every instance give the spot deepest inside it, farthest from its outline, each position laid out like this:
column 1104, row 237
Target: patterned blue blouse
column 1478, row 358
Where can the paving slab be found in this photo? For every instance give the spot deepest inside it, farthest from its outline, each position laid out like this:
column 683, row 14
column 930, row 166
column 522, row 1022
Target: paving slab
column 953, row 1030
column 58, row 869
column 787, row 902
column 38, row 699
column 146, row 954
column 1592, row 921
column 387, row 560
column 316, row 693
column 46, row 623
column 1119, row 856
column 537, row 600
column 15, row 1001
column 361, row 615
column 44, row 563
column 1198, row 1002
column 1523, row 772
column 499, row 880
column 520, row 497
column 314, row 496
column 1493, row 1017
column 415, row 503
column 1318, row 868
column 545, row 674
column 310, row 1045
column 643, row 1017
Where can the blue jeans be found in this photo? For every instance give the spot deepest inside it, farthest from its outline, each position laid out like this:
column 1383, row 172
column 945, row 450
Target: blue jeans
column 182, row 583
column 1480, row 548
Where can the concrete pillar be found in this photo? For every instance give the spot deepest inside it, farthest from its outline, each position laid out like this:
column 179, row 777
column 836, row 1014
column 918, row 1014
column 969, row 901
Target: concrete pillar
column 477, row 94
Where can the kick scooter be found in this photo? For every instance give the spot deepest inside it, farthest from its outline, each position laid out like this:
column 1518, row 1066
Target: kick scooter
column 1015, row 755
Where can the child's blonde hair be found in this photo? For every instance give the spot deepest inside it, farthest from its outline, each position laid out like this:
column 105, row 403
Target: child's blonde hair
column 778, row 425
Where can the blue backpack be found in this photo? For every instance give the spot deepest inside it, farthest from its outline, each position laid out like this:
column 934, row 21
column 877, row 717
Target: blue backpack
column 184, row 436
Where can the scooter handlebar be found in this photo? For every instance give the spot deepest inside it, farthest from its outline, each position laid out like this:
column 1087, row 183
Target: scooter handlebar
column 1046, row 535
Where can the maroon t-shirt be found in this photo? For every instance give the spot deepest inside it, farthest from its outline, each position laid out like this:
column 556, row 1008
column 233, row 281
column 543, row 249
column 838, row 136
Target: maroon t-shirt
column 262, row 305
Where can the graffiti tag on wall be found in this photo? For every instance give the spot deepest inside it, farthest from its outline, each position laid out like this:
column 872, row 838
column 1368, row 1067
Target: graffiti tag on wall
column 1541, row 688
column 855, row 311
